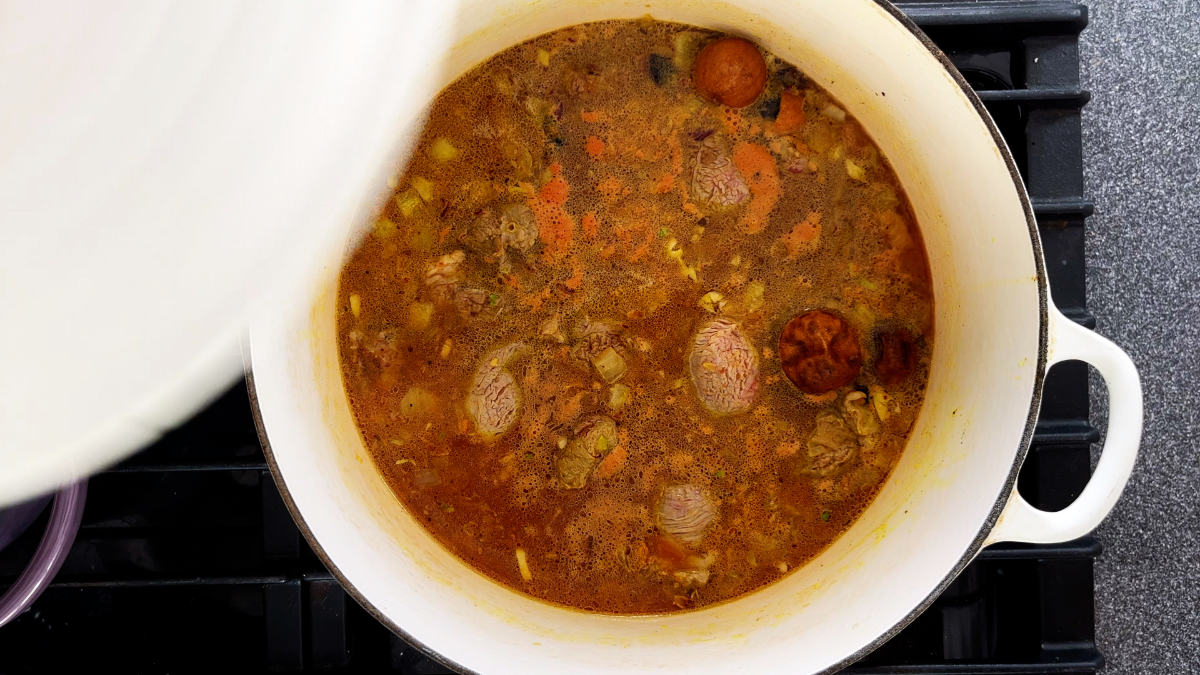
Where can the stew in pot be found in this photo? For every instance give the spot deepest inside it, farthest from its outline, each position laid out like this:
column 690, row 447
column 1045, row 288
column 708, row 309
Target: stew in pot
column 646, row 322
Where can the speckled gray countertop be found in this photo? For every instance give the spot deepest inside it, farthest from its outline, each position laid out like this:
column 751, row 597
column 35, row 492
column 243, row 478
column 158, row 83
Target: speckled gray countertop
column 1141, row 132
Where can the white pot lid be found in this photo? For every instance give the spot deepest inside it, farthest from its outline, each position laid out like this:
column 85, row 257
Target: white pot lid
column 161, row 160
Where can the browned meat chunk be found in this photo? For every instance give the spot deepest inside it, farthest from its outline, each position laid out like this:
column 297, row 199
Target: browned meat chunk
column 897, row 355
column 692, row 577
column 831, row 444
column 494, row 396
column 724, row 367
column 860, row 415
column 594, row 438
column 686, row 512
column 518, row 228
column 471, row 302
column 602, row 345
column 593, row 337
column 819, row 352
column 582, row 82
column 670, row 556
column 715, row 180
column 481, row 236
column 443, row 276
column 378, row 351
column 511, row 230
column 445, row 281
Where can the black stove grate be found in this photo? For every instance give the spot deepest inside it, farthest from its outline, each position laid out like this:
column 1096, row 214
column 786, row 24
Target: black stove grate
column 188, row 560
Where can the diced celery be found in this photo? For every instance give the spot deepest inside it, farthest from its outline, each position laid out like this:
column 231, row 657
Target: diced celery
column 420, row 314
column 610, row 364
column 443, row 150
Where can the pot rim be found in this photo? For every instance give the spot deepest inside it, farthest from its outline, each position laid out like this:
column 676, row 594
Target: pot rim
column 972, row 549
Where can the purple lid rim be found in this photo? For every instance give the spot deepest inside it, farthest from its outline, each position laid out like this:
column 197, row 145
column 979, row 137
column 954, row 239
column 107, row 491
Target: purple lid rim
column 51, row 552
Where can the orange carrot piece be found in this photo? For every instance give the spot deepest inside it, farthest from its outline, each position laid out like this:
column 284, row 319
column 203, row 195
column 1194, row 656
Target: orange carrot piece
column 733, row 121
column 670, row 180
column 593, row 116
column 754, row 446
column 555, row 191
column 590, row 224
column 576, row 277
column 612, row 463
column 758, row 166
column 535, row 300
column 669, row 553
column 665, row 184
column 639, row 253
column 612, row 187
column 791, row 113
column 569, row 408
column 555, row 226
column 594, row 146
column 804, row 237
column 787, row 449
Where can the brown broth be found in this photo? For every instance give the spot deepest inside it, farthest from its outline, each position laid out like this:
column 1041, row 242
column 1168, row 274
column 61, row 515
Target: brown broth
column 573, row 126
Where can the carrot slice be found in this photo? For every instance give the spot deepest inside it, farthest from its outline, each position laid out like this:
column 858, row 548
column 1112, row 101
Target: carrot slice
column 758, row 167
column 612, row 463
column 590, row 224
column 555, row 226
column 594, row 146
column 804, row 237
column 576, row 277
column 555, row 190
column 791, row 113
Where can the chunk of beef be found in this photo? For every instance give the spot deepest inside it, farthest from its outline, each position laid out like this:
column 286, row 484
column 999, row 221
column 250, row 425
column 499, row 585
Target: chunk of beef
column 375, row 353
column 472, row 302
column 724, row 367
column 715, row 180
column 518, row 228
column 831, row 444
column 603, row 346
column 443, row 276
column 860, row 414
column 686, row 512
column 594, row 438
column 494, row 396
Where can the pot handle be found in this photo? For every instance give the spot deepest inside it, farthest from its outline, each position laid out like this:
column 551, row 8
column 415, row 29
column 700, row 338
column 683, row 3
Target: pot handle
column 1021, row 522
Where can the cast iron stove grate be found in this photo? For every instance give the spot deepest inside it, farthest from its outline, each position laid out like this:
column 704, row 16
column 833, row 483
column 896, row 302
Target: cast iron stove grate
column 188, row 560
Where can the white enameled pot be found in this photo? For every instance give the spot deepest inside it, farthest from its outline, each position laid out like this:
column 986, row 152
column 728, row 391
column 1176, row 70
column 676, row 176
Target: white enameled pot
column 952, row 493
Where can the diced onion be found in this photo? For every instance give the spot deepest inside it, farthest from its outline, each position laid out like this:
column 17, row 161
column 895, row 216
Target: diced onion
column 855, row 172
column 523, row 565
column 834, row 113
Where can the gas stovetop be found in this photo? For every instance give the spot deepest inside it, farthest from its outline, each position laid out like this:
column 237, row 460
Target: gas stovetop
column 188, row 560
